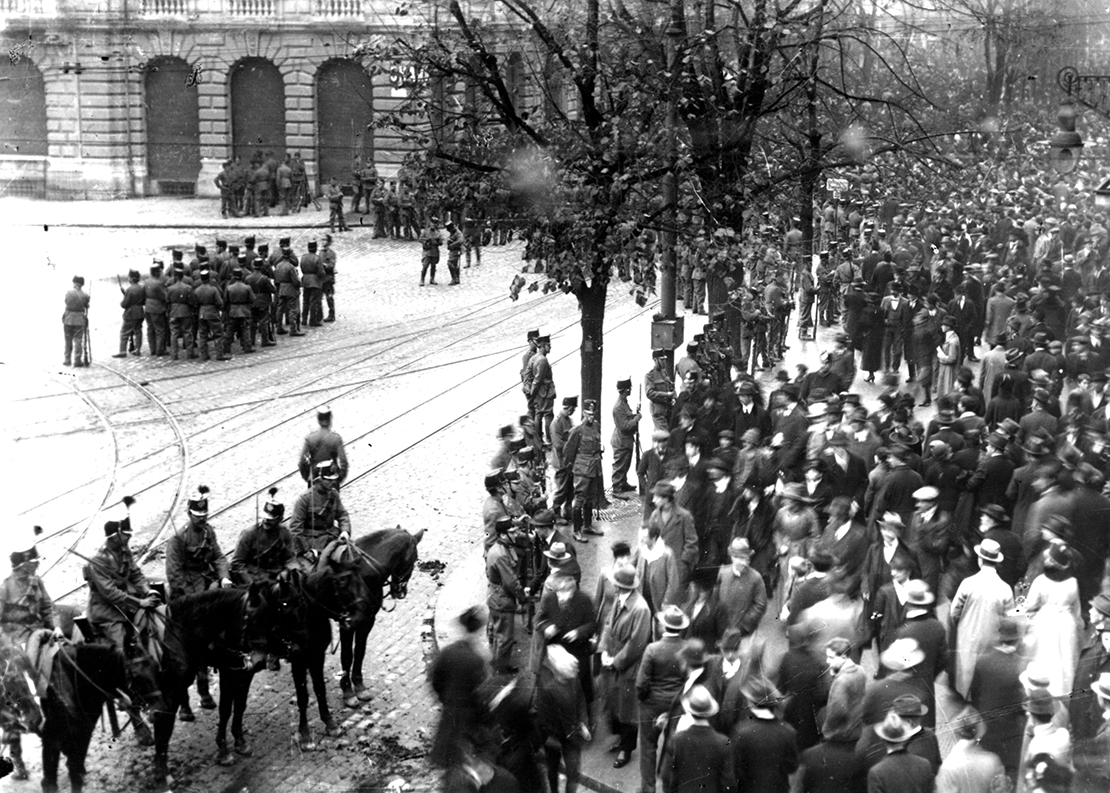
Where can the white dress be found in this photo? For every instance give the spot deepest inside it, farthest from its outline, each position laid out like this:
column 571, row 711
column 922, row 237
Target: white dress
column 1053, row 633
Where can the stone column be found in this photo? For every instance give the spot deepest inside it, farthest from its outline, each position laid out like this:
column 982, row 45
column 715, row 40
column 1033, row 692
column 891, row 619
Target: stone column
column 215, row 129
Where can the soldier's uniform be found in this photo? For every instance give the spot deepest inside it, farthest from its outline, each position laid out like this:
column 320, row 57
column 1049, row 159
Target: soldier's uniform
column 311, row 271
column 249, row 253
column 660, row 391
column 74, row 321
column 407, row 216
column 563, row 496
column 182, row 300
column 583, row 449
column 322, row 445
column 454, row 251
column 505, row 591
column 131, row 332
column 116, row 586
column 288, row 282
column 393, row 211
column 377, row 200
column 263, row 291
column 367, row 178
column 626, row 424
column 284, row 180
column 319, row 516
column 541, row 398
column 264, row 550
column 260, row 191
column 209, row 303
column 327, row 280
column 240, row 300
column 24, row 605
column 239, row 176
column 224, row 183
column 154, row 309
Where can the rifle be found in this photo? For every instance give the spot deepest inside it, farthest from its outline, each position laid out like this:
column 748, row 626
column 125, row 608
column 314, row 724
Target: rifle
column 88, row 339
column 639, row 404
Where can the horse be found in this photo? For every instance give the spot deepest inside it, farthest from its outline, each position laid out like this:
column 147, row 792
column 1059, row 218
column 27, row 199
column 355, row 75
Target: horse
column 83, row 678
column 222, row 628
column 20, row 709
column 309, row 598
column 385, row 555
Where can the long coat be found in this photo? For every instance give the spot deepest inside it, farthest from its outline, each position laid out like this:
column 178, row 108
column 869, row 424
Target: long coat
column 833, row 767
column 901, row 772
column 699, row 761
column 625, row 638
column 980, row 603
column 765, row 754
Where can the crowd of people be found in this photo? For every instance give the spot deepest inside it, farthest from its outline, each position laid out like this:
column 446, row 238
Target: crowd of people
column 933, row 560
column 237, row 294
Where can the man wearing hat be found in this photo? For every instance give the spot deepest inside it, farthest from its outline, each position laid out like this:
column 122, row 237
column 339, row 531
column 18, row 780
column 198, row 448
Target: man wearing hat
column 583, row 453
column 194, row 561
column 24, row 605
column 660, row 390
column 749, row 414
column 968, row 766
column 319, row 517
column 240, row 304
column 75, row 320
column 976, row 613
column 209, row 302
column 764, row 748
column 262, row 287
column 626, row 426
column 563, row 495
column 131, row 332
column 625, row 635
column 991, row 477
column 288, row 282
column 154, row 309
column 1084, row 706
column 545, row 538
column 929, row 535
column 1046, row 736
column 659, row 682
column 698, row 758
column 994, row 524
column 899, row 770
column 265, row 549
column 1091, row 756
column 455, row 243
column 741, row 591
column 541, row 396
column 789, row 430
column 323, row 444
column 117, row 591
column 312, row 271
column 895, row 492
column 652, row 469
column 506, row 591
column 525, row 370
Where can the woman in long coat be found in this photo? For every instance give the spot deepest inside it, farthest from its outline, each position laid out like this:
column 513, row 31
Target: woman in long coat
column 870, row 344
column 948, row 358
column 1052, row 605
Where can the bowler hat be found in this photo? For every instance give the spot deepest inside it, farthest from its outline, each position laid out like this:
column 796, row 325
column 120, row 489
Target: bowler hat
column 746, row 388
column 693, row 653
column 910, row 704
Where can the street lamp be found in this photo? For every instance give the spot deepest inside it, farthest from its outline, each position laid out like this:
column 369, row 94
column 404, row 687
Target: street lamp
column 1066, row 145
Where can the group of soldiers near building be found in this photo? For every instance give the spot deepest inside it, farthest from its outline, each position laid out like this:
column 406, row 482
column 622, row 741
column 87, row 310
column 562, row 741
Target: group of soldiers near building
column 247, row 294
column 266, row 183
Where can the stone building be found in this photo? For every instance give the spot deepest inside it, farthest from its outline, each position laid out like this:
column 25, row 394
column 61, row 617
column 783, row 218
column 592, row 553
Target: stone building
column 117, row 98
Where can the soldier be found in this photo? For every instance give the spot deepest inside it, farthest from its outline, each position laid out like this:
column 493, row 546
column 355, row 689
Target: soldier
column 430, row 242
column 335, row 205
column 221, row 258
column 659, row 388
column 209, row 303
column 239, row 176
column 262, row 287
column 311, row 272
column 525, row 369
column 289, row 292
column 260, row 190
column 181, row 300
column 626, row 425
column 319, row 517
column 584, row 449
column 472, row 239
column 223, row 182
column 323, row 444
column 454, row 250
column 195, row 563
column 368, row 180
column 74, row 322
column 377, row 200
column 265, row 549
column 393, row 211
column 327, row 280
column 117, row 590
column 563, row 496
column 233, row 260
column 407, row 221
column 131, row 332
column 542, row 396
column 284, row 180
column 249, row 252
column 240, row 301
column 199, row 260
column 504, row 594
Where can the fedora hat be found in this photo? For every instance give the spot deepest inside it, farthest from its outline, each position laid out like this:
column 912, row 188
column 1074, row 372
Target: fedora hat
column 1009, row 631
column 557, row 552
column 740, row 548
column 693, row 653
column 543, row 518
column 626, row 577
column 989, row 551
column 1036, row 446
column 945, row 416
column 901, row 655
column 997, row 513
column 672, row 618
column 893, row 730
column 699, row 703
column 1034, row 676
column 919, row 594
column 909, row 705
column 1101, row 603
column 1040, row 702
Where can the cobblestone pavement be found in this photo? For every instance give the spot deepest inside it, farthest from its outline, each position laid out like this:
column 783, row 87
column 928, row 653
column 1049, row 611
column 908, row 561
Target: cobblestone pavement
column 419, row 378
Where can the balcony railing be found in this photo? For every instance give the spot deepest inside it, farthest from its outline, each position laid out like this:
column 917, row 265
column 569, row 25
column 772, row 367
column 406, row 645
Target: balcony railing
column 251, row 8
column 22, row 7
column 338, row 8
column 166, row 8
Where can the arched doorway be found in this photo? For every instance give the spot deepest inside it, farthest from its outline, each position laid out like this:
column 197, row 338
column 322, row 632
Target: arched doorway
column 172, row 125
column 344, row 113
column 257, row 109
column 23, row 126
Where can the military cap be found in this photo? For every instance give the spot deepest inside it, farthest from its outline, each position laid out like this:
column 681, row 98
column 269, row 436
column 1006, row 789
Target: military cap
column 543, row 340
column 273, row 509
column 284, row 242
column 133, row 275
column 236, row 272
column 233, row 249
column 249, row 242
column 590, row 404
column 503, row 524
column 570, row 402
column 625, row 384
column 312, row 245
column 221, row 244
column 79, row 280
column 658, row 353
column 204, row 275
column 263, row 248
column 201, row 250
column 525, row 454
column 177, row 255
column 494, row 478
column 198, row 502
column 533, row 334
column 660, row 436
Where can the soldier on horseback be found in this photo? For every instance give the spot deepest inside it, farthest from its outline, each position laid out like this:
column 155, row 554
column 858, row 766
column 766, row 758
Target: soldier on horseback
column 195, row 563
column 117, row 591
column 319, row 517
column 24, row 608
column 265, row 549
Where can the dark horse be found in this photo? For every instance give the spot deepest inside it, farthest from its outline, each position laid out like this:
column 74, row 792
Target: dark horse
column 386, row 555
column 222, row 628
column 308, row 600
column 83, row 678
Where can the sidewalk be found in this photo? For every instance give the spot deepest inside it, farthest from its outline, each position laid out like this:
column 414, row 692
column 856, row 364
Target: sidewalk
column 465, row 585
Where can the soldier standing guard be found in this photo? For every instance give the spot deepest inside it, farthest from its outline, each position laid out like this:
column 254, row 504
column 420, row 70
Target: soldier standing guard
column 117, row 590
column 430, row 242
column 659, row 389
column 195, row 563
column 265, row 549
column 626, row 425
column 504, row 594
column 319, row 517
column 74, row 322
column 288, row 282
column 377, row 199
column 328, row 261
column 154, row 309
column 311, row 272
column 240, row 300
column 563, row 497
column 584, row 449
column 209, row 303
column 454, row 251
column 131, row 332
column 323, row 444
column 542, row 396
column 262, row 287
column 182, row 300
column 335, row 204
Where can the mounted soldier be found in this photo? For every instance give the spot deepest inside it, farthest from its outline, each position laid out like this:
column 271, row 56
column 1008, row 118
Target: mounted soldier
column 319, row 517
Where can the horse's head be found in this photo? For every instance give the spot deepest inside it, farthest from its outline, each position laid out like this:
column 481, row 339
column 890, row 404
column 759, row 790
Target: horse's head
column 342, row 589
column 406, row 563
column 19, row 706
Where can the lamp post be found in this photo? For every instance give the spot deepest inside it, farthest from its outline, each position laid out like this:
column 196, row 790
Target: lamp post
column 1066, row 145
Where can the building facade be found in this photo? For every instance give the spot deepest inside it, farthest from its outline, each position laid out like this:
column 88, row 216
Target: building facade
column 149, row 97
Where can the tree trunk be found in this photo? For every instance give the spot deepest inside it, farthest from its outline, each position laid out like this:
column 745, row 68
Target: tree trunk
column 591, row 301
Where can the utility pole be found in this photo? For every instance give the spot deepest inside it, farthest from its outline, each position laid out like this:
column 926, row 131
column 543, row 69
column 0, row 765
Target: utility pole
column 670, row 186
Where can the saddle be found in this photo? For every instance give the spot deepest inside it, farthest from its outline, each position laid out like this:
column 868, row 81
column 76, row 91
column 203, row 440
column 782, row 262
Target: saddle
column 42, row 648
